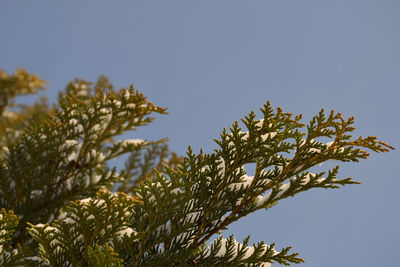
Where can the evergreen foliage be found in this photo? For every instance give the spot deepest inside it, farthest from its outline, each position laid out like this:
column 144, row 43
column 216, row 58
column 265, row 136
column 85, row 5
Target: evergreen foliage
column 57, row 208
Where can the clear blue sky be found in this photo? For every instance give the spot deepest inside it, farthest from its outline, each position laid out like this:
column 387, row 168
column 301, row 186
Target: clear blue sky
column 211, row 62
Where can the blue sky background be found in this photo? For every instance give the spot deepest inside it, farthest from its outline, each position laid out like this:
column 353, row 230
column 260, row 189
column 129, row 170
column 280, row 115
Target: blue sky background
column 212, row 62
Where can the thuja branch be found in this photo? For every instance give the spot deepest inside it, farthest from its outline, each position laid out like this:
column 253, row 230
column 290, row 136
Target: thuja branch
column 296, row 166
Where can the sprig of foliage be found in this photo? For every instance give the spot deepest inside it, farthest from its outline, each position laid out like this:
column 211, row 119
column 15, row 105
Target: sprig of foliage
column 229, row 252
column 88, row 227
column 103, row 256
column 63, row 156
column 13, row 117
column 19, row 83
column 8, row 256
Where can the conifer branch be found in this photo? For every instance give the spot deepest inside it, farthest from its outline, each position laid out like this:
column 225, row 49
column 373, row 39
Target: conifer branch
column 171, row 206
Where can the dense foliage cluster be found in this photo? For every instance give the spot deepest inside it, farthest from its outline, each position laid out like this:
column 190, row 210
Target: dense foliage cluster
column 57, row 199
